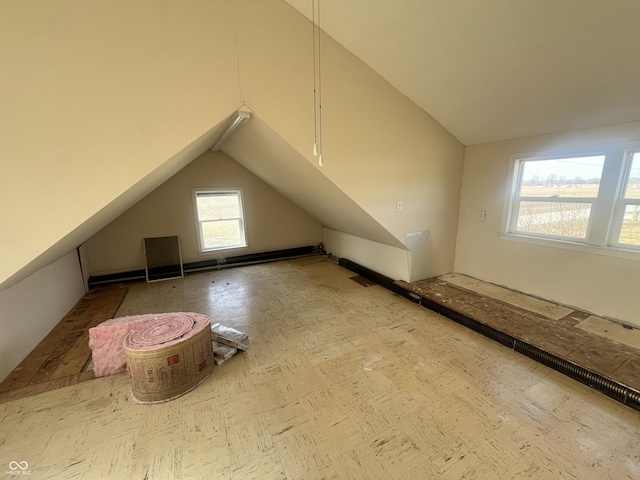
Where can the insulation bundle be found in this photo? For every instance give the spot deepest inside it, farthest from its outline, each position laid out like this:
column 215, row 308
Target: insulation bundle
column 229, row 336
column 226, row 342
column 168, row 356
column 106, row 339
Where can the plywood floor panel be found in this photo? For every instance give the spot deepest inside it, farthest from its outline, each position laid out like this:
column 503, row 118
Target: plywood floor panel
column 611, row 330
column 570, row 334
column 58, row 360
column 527, row 302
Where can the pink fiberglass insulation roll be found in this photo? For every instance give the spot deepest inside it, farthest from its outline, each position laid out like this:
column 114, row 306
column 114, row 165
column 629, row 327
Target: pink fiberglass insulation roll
column 169, row 356
column 165, row 330
column 106, row 340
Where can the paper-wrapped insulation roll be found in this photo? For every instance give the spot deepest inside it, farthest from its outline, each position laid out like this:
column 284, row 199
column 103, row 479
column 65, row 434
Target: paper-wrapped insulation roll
column 169, row 356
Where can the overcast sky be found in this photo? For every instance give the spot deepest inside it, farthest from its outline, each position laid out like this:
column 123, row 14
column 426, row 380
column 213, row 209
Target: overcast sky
column 570, row 168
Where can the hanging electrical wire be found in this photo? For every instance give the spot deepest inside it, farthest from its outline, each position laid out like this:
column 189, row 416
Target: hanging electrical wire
column 315, row 99
column 320, row 161
column 317, row 82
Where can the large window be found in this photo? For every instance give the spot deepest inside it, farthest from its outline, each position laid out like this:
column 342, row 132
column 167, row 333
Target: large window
column 554, row 196
column 220, row 219
column 592, row 198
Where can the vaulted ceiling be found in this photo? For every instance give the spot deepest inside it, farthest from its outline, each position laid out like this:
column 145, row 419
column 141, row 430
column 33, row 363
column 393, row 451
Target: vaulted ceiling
column 121, row 95
column 497, row 69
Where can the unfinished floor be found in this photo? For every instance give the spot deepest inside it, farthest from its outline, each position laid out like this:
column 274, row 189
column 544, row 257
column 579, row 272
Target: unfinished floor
column 599, row 346
column 340, row 381
column 63, row 357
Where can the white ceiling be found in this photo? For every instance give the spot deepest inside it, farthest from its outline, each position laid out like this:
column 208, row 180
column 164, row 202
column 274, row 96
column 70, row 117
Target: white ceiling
column 491, row 70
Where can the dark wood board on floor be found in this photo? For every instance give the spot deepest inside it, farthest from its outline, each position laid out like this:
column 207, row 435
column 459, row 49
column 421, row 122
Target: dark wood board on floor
column 359, row 279
column 58, row 360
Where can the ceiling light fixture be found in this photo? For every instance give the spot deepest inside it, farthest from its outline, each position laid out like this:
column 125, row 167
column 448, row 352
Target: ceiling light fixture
column 237, row 120
column 317, row 83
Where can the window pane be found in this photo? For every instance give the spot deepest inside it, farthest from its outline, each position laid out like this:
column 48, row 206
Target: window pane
column 630, row 233
column 216, row 206
column 633, row 185
column 562, row 177
column 222, row 234
column 554, row 218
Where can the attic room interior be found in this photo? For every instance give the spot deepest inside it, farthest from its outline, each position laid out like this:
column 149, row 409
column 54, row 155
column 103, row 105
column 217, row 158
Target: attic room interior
column 448, row 292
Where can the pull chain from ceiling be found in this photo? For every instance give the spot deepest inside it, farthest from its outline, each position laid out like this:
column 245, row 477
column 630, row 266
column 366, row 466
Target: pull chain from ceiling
column 317, row 82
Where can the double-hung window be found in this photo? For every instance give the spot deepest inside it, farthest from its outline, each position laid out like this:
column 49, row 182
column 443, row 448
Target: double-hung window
column 555, row 197
column 220, row 218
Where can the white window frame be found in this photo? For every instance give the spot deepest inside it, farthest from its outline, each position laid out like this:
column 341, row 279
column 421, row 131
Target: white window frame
column 607, row 211
column 622, row 203
column 238, row 191
column 516, row 199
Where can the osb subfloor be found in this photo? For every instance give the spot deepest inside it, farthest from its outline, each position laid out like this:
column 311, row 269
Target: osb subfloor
column 600, row 345
column 340, row 381
column 59, row 360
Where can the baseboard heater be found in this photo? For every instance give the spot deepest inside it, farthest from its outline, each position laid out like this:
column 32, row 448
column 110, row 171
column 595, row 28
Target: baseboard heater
column 615, row 390
column 214, row 264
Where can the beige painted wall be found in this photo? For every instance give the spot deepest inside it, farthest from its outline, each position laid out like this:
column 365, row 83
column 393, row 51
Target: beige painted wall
column 379, row 148
column 32, row 307
column 273, row 222
column 601, row 284
column 104, row 95
column 381, row 258
column 101, row 95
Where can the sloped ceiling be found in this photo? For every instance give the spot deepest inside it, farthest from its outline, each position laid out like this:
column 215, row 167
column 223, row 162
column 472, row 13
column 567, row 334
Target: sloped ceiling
column 120, row 204
column 485, row 70
column 498, row 69
column 262, row 151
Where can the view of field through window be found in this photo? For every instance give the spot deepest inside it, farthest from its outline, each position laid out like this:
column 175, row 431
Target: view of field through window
column 556, row 197
column 220, row 220
column 550, row 189
column 630, row 232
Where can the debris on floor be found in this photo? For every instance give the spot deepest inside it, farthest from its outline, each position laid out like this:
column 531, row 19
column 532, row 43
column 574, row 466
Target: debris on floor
column 222, row 353
column 359, row 279
column 226, row 342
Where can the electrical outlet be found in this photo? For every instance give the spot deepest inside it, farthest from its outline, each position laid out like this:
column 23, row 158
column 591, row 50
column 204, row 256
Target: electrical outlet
column 481, row 215
column 399, row 207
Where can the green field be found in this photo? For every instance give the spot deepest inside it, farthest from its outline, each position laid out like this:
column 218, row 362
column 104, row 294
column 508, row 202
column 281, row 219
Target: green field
column 589, row 191
column 222, row 233
column 630, row 233
column 572, row 191
column 570, row 219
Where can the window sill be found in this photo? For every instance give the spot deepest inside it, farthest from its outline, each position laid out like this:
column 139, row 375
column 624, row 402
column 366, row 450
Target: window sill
column 617, row 252
column 213, row 251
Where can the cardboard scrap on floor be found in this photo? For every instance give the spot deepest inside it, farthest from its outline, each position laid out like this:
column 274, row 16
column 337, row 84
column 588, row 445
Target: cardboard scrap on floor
column 226, row 342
